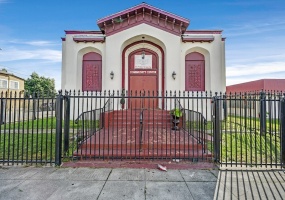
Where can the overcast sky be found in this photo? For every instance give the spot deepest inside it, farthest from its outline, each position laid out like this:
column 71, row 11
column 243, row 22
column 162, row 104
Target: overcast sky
column 31, row 31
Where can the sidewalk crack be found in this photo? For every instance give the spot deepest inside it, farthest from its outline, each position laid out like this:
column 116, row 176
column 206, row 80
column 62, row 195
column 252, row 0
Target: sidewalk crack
column 104, row 184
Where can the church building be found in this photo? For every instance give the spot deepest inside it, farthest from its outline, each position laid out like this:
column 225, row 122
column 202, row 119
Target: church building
column 143, row 48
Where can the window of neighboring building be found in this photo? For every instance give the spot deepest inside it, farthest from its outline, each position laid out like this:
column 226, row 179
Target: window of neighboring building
column 92, row 72
column 194, row 72
column 14, row 85
column 3, row 83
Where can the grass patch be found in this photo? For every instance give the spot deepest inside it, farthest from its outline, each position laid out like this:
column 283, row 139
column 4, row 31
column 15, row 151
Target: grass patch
column 250, row 147
column 24, row 147
column 242, row 123
column 44, row 123
column 37, row 142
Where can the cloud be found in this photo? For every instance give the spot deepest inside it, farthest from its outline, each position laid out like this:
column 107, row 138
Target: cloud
column 246, row 3
column 24, row 68
column 254, row 71
column 255, row 28
column 22, row 57
column 36, row 43
column 256, row 56
column 13, row 54
column 258, row 68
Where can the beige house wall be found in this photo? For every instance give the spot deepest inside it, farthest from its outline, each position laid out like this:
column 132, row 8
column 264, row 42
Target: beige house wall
column 8, row 93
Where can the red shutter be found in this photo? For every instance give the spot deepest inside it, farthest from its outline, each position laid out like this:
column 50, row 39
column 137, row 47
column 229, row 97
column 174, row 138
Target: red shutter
column 194, row 72
column 92, row 72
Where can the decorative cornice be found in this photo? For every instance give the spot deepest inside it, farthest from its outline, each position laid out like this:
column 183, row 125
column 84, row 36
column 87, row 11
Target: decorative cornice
column 223, row 39
column 63, row 39
column 141, row 6
column 143, row 13
column 203, row 32
column 89, row 38
column 82, row 32
column 197, row 38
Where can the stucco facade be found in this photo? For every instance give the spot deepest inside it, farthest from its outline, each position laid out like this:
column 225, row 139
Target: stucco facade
column 143, row 29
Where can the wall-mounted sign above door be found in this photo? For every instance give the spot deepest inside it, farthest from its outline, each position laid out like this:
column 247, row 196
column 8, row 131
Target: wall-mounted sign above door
column 144, row 62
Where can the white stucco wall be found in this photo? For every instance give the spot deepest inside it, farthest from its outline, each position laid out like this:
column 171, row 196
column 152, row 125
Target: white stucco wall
column 174, row 50
column 72, row 61
column 116, row 43
column 214, row 64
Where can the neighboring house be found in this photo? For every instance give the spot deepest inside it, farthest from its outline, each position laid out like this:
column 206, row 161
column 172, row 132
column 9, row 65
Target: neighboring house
column 11, row 83
column 143, row 48
column 245, row 97
column 10, row 86
column 258, row 86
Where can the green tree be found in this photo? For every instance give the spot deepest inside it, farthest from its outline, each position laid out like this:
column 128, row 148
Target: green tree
column 40, row 86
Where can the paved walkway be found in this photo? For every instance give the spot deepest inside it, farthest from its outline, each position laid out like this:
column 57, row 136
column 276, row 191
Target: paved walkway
column 104, row 183
column 133, row 183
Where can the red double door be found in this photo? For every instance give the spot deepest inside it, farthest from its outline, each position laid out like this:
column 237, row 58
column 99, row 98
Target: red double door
column 143, row 79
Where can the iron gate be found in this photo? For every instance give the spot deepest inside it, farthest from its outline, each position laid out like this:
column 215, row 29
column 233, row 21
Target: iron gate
column 249, row 129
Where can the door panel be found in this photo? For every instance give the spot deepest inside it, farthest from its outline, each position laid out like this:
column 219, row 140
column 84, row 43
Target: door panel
column 144, row 87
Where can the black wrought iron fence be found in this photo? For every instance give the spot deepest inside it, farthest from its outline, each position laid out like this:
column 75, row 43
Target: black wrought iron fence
column 241, row 129
column 137, row 125
column 249, row 129
column 27, row 130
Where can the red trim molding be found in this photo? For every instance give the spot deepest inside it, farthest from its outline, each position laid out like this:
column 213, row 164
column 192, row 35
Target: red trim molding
column 223, row 39
column 63, row 39
column 143, row 13
column 197, row 39
column 89, row 40
column 145, row 7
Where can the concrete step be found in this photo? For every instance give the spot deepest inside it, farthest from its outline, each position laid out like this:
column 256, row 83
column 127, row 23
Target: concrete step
column 143, row 154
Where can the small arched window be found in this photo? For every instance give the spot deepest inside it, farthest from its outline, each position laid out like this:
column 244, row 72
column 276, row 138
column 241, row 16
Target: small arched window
column 92, row 72
column 194, row 72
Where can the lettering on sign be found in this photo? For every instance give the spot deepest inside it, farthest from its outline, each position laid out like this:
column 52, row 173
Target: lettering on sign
column 143, row 63
column 143, row 72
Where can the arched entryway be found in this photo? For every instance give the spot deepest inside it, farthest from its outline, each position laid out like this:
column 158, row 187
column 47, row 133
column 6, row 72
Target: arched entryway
column 143, row 77
column 143, row 73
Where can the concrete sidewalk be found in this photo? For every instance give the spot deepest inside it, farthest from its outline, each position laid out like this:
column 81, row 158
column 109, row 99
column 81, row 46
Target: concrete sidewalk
column 250, row 184
column 105, row 183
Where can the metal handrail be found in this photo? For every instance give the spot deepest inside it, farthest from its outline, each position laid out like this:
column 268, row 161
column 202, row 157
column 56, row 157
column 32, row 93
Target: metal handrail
column 103, row 108
column 141, row 128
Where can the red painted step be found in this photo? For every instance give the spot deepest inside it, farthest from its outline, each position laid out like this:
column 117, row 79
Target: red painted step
column 120, row 137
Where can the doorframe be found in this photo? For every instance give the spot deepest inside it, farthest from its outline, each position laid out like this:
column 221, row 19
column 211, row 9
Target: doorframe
column 162, row 64
column 157, row 67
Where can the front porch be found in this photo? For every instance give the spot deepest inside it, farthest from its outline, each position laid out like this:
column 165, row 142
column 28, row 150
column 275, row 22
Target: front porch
column 147, row 134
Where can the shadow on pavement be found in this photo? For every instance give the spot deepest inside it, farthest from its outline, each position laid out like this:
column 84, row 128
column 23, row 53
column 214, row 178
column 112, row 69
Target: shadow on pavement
column 250, row 184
